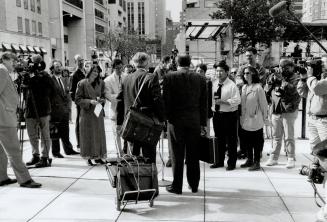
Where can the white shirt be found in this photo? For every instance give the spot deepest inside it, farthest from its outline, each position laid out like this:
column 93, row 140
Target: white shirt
column 61, row 85
column 111, row 91
column 229, row 94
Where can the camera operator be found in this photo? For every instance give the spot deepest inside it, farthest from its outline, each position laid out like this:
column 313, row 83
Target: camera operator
column 285, row 100
column 9, row 143
column 38, row 108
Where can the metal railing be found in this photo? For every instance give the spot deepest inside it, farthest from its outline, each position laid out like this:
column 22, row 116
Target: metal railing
column 77, row 3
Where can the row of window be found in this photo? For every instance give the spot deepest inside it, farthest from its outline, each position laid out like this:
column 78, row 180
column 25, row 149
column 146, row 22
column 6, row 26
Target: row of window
column 99, row 28
column 32, row 5
column 99, row 13
column 36, row 27
column 122, row 3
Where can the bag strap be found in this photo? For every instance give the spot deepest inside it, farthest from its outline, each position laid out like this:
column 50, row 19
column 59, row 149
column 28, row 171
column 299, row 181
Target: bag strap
column 138, row 93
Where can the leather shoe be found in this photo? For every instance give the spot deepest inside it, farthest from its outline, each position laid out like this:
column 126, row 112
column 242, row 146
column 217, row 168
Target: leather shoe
column 229, row 168
column 171, row 189
column 194, row 190
column 168, row 164
column 31, row 184
column 73, row 152
column 99, row 161
column 58, row 155
column 7, row 182
column 216, row 165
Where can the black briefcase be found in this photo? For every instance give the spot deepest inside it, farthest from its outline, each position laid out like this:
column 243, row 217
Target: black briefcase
column 208, row 151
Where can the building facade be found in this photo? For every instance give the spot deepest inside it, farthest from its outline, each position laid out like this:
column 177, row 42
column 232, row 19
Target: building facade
column 314, row 11
column 172, row 30
column 24, row 27
column 117, row 14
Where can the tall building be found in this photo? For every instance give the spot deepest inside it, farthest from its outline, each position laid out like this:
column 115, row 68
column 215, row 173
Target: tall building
column 77, row 27
column 161, row 20
column 314, row 11
column 297, row 6
column 24, row 27
column 117, row 14
column 172, row 30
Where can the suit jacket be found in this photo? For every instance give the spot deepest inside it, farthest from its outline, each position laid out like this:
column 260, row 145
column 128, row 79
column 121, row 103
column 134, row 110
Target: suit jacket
column 9, row 99
column 77, row 76
column 59, row 103
column 185, row 97
column 150, row 100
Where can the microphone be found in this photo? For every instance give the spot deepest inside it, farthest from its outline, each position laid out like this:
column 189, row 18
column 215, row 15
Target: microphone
column 278, row 8
column 37, row 59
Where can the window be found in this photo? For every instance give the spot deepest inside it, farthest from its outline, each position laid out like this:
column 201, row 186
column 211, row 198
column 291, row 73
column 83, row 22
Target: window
column 40, row 28
column 124, row 5
column 210, row 3
column 25, row 4
column 38, row 6
column 27, row 26
column 192, row 3
column 20, row 24
column 130, row 16
column 119, row 13
column 33, row 5
column 121, row 3
column 99, row 28
column 99, row 13
column 65, row 38
column 33, row 27
column 19, row 3
column 141, row 26
column 112, row 1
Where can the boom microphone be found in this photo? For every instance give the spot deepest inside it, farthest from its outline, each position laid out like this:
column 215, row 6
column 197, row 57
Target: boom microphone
column 278, row 8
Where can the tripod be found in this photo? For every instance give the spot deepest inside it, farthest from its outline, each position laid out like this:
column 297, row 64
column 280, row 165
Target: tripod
column 162, row 182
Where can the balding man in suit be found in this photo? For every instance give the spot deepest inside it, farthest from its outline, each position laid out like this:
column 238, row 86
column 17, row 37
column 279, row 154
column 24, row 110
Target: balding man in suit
column 185, row 97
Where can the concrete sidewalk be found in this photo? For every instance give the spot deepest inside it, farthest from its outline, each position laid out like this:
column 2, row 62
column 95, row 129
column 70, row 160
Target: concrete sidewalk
column 73, row 191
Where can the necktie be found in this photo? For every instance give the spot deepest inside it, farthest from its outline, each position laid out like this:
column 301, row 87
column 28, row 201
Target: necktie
column 218, row 95
column 61, row 85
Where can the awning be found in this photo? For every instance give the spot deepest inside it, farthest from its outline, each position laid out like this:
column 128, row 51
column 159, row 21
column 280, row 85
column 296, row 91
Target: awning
column 43, row 50
column 37, row 49
column 23, row 48
column 209, row 29
column 6, row 46
column 30, row 49
column 15, row 47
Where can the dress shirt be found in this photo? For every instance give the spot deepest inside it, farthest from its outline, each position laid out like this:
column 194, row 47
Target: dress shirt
column 112, row 88
column 229, row 94
column 60, row 83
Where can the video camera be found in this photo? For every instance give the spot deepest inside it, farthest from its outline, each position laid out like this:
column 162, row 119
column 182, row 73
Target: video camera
column 314, row 172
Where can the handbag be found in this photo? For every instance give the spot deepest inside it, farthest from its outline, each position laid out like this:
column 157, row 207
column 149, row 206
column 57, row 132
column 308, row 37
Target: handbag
column 139, row 127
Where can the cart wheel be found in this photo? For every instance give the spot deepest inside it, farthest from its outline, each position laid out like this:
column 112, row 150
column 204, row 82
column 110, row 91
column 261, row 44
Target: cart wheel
column 151, row 203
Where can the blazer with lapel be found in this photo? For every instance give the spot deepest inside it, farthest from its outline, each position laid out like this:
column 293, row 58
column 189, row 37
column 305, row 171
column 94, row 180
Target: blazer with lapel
column 150, row 100
column 59, row 103
column 185, row 96
column 8, row 99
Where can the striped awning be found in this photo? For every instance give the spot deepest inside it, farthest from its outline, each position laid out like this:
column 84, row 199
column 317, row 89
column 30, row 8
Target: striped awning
column 6, row 47
column 30, row 49
column 37, row 49
column 15, row 47
column 207, row 30
column 23, row 48
column 43, row 50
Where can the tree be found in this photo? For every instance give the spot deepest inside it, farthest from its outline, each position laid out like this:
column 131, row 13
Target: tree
column 251, row 20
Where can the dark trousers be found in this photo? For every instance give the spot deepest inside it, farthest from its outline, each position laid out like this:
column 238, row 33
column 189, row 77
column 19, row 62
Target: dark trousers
column 147, row 151
column 225, row 127
column 241, row 138
column 63, row 134
column 78, row 111
column 253, row 141
column 185, row 141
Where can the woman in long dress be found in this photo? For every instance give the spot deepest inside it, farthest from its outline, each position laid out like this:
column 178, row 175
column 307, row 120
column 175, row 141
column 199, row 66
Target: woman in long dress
column 89, row 95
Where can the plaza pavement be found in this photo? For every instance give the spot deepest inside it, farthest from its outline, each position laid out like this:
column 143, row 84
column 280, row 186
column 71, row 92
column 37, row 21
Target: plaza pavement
column 73, row 191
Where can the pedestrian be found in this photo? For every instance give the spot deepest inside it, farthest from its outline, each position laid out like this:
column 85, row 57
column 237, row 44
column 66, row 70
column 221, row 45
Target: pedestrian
column 185, row 97
column 90, row 96
column 254, row 114
column 9, row 143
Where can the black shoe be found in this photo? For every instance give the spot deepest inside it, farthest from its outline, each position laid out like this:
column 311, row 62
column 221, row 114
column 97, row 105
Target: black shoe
column 194, row 190
column 44, row 162
column 256, row 166
column 99, row 161
column 31, row 184
column 168, row 164
column 216, row 165
column 35, row 159
column 73, row 152
column 89, row 162
column 58, row 155
column 170, row 189
column 248, row 163
column 7, row 182
column 230, row 168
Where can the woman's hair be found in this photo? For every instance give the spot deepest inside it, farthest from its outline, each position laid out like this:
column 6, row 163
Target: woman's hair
column 97, row 79
column 254, row 73
column 202, row 67
column 316, row 66
column 222, row 64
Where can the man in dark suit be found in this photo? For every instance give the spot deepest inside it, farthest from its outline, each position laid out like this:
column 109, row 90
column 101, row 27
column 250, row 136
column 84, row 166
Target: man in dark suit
column 149, row 101
column 60, row 114
column 78, row 75
column 185, row 97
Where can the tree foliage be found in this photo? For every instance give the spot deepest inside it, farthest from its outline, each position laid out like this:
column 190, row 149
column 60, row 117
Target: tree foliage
column 251, row 20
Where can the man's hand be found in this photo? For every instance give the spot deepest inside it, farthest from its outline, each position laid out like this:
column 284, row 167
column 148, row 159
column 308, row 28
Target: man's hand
column 94, row 102
column 220, row 102
column 203, row 131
